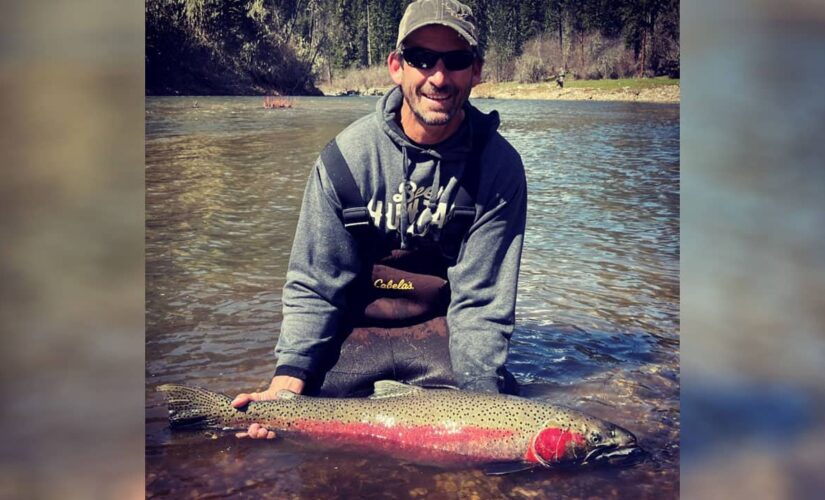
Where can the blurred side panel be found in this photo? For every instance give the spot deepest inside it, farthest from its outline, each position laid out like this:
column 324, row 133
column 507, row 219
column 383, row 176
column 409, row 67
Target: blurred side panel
column 71, row 234
column 753, row 249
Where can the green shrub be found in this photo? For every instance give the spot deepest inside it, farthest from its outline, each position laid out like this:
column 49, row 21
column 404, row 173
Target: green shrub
column 531, row 69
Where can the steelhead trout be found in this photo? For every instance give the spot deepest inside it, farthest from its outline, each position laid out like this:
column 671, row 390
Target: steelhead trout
column 507, row 433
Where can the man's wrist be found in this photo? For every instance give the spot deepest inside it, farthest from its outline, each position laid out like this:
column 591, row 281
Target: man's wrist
column 481, row 384
column 291, row 371
column 285, row 382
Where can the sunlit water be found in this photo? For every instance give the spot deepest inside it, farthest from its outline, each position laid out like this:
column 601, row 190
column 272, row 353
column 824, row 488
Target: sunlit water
column 598, row 307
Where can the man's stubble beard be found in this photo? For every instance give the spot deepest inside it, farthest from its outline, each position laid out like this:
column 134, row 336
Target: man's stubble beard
column 443, row 118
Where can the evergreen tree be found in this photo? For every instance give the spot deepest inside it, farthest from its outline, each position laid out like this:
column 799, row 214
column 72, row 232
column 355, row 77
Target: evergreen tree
column 231, row 46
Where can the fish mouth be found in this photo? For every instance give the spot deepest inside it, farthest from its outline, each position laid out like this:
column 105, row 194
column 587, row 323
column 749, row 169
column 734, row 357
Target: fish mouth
column 613, row 454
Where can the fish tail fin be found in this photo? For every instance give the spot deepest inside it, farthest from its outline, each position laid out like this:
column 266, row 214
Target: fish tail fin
column 195, row 408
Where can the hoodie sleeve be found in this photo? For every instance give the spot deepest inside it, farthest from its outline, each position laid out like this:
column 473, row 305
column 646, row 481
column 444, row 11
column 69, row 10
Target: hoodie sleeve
column 323, row 263
column 484, row 280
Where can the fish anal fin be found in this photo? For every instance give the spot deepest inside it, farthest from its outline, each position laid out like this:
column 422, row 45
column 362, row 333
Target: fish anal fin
column 502, row 468
column 392, row 389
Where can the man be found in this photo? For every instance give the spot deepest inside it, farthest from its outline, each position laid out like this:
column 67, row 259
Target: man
column 358, row 299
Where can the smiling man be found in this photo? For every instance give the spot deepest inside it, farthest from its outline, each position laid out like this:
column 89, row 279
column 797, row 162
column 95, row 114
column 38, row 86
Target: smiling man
column 406, row 256
column 433, row 94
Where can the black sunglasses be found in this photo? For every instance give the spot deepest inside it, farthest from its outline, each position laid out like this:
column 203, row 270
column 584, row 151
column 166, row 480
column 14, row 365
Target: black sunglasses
column 421, row 58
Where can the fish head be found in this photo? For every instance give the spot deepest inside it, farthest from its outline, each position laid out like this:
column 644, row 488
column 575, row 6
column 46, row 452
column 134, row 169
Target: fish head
column 594, row 441
column 609, row 443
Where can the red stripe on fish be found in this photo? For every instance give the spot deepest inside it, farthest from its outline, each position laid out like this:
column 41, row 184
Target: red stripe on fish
column 460, row 439
column 552, row 445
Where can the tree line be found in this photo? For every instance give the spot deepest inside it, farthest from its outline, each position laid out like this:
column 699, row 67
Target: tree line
column 286, row 46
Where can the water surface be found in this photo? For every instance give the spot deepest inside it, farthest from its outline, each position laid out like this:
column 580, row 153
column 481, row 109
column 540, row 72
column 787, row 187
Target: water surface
column 597, row 312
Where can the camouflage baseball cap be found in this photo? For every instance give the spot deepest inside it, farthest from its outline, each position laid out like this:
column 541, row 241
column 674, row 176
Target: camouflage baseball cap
column 450, row 13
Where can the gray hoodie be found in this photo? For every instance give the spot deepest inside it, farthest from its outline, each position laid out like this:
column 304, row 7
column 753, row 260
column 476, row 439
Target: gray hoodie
column 483, row 277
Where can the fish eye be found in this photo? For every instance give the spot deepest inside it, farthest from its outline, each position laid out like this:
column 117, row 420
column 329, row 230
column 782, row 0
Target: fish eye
column 596, row 437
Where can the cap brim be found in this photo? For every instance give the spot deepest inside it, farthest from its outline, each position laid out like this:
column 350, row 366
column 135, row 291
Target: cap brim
column 458, row 29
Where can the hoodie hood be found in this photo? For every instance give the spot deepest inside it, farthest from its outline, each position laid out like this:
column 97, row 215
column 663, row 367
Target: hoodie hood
column 443, row 163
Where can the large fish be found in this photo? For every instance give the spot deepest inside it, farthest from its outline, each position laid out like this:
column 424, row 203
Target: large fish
column 505, row 433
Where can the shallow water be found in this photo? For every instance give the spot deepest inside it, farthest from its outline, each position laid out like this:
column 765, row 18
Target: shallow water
column 598, row 307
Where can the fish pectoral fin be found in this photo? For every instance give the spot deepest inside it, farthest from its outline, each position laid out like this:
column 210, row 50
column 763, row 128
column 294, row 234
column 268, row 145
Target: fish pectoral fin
column 502, row 468
column 392, row 389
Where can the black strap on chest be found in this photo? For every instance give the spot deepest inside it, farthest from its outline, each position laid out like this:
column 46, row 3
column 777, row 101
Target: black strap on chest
column 354, row 210
column 464, row 209
column 355, row 213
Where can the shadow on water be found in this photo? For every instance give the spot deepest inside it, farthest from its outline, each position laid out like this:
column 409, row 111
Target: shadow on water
column 565, row 353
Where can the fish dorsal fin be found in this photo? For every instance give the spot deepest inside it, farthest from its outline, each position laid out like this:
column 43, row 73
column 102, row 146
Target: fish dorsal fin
column 393, row 389
column 286, row 394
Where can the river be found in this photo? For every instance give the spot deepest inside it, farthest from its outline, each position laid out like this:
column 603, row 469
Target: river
column 597, row 312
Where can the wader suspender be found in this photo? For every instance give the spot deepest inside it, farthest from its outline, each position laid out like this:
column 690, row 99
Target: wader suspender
column 355, row 213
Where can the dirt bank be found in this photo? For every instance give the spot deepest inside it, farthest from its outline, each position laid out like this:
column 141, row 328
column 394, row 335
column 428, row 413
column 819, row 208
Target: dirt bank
column 661, row 93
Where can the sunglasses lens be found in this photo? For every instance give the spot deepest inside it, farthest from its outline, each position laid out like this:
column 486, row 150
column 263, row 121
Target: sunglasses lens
column 458, row 60
column 421, row 58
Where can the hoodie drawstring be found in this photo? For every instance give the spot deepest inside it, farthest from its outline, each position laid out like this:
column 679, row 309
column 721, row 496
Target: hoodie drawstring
column 436, row 186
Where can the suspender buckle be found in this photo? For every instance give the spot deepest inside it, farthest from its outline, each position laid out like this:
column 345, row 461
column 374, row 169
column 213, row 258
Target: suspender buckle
column 460, row 212
column 356, row 216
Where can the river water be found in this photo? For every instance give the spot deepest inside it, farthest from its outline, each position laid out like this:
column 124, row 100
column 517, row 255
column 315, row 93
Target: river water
column 597, row 313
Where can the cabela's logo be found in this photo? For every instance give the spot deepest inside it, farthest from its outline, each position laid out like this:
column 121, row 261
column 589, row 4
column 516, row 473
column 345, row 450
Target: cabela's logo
column 392, row 285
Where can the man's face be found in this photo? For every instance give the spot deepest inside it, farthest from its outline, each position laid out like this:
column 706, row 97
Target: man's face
column 435, row 95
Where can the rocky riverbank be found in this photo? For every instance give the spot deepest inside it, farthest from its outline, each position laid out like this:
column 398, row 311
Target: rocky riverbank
column 663, row 93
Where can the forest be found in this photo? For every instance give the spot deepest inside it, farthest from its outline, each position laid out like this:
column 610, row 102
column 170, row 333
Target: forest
column 286, row 47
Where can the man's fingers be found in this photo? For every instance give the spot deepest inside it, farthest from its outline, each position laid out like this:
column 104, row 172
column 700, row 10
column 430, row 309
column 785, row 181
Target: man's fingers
column 267, row 434
column 244, row 399
column 256, row 431
column 240, row 400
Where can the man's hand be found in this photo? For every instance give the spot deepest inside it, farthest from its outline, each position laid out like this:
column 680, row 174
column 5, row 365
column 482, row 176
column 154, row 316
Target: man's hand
column 258, row 431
